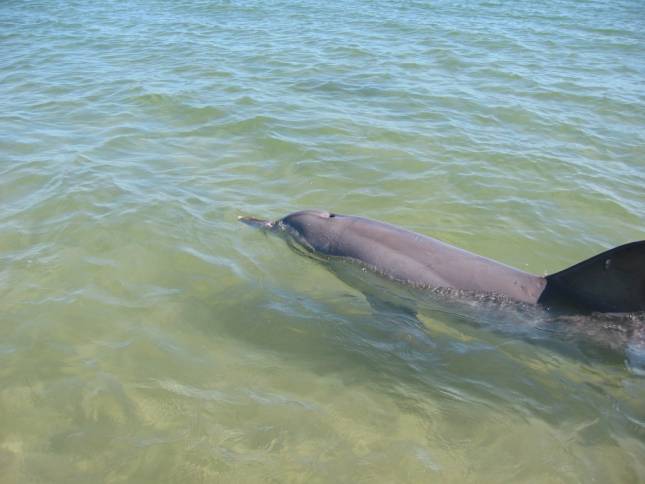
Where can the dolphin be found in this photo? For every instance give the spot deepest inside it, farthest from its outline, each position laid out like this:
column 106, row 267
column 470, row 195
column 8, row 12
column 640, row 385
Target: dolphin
column 610, row 282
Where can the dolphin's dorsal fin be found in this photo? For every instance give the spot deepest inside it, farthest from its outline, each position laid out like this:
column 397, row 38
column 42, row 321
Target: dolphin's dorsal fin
column 613, row 281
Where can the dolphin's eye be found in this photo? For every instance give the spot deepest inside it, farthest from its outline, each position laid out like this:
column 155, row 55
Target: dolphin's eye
column 332, row 215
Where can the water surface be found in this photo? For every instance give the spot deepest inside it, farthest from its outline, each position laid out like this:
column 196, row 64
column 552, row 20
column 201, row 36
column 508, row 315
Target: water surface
column 147, row 336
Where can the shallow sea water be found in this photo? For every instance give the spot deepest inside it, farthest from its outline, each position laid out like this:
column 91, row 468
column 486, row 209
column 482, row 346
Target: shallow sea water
column 147, row 336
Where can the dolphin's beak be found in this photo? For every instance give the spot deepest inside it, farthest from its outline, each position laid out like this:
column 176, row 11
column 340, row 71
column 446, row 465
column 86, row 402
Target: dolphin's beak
column 256, row 222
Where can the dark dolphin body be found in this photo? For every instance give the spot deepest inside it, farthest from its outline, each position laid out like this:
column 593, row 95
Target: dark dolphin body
column 613, row 281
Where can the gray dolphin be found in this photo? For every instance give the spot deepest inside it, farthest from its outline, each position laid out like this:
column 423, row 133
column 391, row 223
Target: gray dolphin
column 613, row 281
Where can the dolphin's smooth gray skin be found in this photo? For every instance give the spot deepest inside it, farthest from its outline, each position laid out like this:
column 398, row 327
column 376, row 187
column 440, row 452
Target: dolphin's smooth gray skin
column 613, row 281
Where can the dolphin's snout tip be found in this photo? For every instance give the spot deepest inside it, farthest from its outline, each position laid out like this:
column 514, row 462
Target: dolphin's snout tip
column 255, row 222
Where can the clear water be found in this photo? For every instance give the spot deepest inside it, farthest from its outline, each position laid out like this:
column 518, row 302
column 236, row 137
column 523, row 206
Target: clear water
column 147, row 336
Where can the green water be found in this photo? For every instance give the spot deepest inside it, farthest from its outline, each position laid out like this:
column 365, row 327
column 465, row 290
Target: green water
column 147, row 336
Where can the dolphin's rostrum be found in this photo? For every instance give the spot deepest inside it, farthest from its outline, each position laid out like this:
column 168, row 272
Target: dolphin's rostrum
column 613, row 281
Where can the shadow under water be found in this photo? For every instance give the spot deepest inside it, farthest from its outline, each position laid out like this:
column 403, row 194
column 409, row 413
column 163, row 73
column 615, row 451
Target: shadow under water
column 608, row 337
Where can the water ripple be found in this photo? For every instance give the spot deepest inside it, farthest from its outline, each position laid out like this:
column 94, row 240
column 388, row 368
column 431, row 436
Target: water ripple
column 147, row 335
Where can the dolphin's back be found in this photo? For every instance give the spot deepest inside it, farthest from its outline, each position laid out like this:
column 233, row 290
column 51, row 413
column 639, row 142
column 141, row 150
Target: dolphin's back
column 422, row 261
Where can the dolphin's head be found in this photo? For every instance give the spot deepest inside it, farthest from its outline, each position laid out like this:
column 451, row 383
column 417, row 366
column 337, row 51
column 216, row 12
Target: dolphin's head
column 313, row 230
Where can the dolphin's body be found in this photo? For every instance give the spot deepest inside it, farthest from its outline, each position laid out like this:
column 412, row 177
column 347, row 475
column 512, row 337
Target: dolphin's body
column 613, row 281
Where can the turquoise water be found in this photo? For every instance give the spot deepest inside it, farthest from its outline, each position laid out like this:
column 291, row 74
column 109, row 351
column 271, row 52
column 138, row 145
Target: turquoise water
column 147, row 336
